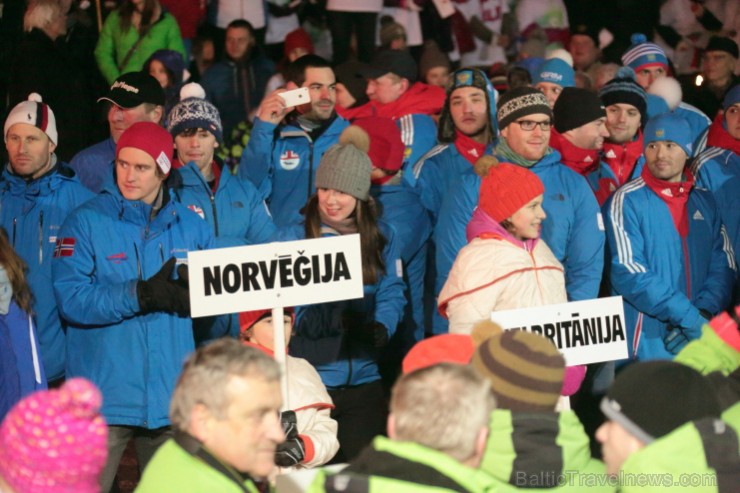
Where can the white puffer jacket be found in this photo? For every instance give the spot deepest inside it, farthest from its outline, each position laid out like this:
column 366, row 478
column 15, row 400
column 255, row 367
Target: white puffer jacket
column 492, row 274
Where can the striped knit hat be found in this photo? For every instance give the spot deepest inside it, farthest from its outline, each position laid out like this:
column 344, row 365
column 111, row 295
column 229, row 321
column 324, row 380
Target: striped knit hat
column 525, row 370
column 643, row 54
column 33, row 112
column 624, row 89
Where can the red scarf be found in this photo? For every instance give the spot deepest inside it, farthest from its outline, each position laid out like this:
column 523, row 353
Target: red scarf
column 419, row 99
column 468, row 148
column 582, row 161
column 622, row 158
column 675, row 195
column 719, row 137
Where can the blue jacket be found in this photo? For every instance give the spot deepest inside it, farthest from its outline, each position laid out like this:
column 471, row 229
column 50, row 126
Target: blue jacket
column 435, row 172
column 649, row 265
column 222, row 86
column 718, row 170
column 32, row 213
column 281, row 161
column 93, row 165
column 698, row 122
column 109, row 244
column 402, row 210
column 321, row 331
column 18, row 349
column 573, row 229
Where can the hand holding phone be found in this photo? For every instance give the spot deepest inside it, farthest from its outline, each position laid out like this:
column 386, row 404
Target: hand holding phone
column 296, row 97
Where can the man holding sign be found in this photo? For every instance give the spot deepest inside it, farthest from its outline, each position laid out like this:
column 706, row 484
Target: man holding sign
column 671, row 259
column 128, row 324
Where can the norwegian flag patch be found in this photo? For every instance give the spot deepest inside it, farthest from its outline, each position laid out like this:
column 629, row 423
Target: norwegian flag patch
column 65, row 247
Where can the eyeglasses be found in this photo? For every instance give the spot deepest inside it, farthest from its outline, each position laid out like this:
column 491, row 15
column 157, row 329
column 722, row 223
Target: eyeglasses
column 529, row 125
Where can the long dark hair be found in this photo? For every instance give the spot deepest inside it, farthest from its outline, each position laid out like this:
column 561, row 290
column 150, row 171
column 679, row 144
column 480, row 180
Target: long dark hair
column 16, row 269
column 127, row 9
column 372, row 241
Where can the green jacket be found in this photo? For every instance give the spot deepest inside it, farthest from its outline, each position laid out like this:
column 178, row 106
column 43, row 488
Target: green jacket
column 701, row 456
column 173, row 470
column 543, row 451
column 709, row 353
column 114, row 44
column 402, row 467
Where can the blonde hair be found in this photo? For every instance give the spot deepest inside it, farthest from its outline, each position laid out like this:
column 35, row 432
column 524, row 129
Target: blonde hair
column 41, row 13
column 442, row 407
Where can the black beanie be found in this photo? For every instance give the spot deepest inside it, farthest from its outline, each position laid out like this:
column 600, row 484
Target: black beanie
column 576, row 107
column 653, row 398
column 720, row 43
column 624, row 89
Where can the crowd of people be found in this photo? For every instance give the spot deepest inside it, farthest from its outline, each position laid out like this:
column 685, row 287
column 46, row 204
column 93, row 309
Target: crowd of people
column 500, row 155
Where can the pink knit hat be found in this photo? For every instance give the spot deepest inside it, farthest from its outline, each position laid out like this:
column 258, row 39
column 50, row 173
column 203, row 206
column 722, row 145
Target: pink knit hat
column 55, row 441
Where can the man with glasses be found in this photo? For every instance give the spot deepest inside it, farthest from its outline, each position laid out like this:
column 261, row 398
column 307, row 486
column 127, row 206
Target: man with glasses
column 573, row 228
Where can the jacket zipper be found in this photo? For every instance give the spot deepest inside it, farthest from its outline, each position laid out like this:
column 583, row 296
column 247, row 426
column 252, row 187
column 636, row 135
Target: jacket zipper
column 41, row 237
column 138, row 261
column 215, row 217
column 15, row 222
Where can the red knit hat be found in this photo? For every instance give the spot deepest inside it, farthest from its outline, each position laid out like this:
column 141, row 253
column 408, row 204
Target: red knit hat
column 248, row 319
column 443, row 348
column 386, row 149
column 152, row 139
column 506, row 189
column 298, row 38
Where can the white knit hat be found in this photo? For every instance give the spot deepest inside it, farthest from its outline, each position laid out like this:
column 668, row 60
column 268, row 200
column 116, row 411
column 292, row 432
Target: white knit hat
column 33, row 112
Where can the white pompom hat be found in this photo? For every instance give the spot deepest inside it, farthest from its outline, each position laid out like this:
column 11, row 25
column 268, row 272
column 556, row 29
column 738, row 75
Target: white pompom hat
column 33, row 112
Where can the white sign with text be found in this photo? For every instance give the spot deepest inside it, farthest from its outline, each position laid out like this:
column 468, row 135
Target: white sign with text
column 231, row 280
column 585, row 332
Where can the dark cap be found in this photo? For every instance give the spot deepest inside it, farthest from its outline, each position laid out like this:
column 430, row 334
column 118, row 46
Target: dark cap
column 576, row 107
column 134, row 88
column 399, row 62
column 586, row 30
column 720, row 43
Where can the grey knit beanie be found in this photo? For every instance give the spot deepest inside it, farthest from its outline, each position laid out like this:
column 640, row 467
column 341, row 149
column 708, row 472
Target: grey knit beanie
column 347, row 169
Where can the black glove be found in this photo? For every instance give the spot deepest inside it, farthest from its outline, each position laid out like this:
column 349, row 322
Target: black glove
column 160, row 293
column 291, row 452
column 675, row 340
column 373, row 333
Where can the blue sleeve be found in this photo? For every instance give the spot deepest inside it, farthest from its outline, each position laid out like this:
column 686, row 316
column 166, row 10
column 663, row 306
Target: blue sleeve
column 419, row 135
column 256, row 163
column 82, row 300
column 584, row 259
column 630, row 277
column 429, row 186
column 716, row 292
column 389, row 296
column 261, row 227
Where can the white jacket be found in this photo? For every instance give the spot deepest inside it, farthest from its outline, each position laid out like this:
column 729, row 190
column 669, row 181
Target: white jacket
column 494, row 274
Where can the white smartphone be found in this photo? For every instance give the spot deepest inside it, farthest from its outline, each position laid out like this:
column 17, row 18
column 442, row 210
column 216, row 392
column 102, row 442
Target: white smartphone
column 295, row 97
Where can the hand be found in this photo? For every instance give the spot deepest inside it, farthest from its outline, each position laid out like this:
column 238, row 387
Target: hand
column 292, row 451
column 675, row 340
column 373, row 333
column 272, row 109
column 160, row 293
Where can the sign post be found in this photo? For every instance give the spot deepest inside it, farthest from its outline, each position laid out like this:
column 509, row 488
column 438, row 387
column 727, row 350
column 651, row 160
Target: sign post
column 274, row 276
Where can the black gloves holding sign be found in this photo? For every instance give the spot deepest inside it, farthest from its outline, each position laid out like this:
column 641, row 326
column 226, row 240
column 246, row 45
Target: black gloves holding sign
column 160, row 293
column 291, row 452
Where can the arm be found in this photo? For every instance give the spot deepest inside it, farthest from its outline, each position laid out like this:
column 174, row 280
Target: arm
column 105, row 50
column 389, row 297
column 261, row 228
column 82, row 299
column 630, row 273
column 716, row 291
column 584, row 259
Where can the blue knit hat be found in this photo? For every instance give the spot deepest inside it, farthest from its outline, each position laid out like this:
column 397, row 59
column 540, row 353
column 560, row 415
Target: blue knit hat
column 172, row 61
column 194, row 111
column 669, row 127
column 467, row 77
column 624, row 89
column 643, row 54
column 555, row 71
column 732, row 97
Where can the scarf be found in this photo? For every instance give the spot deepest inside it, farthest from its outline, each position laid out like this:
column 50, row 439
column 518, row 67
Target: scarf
column 468, row 147
column 346, row 226
column 504, row 152
column 582, row 161
column 675, row 195
column 482, row 225
column 622, row 158
column 718, row 136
